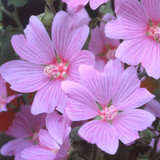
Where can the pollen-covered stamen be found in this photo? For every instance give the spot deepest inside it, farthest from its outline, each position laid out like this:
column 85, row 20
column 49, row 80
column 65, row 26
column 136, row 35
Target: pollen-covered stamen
column 35, row 138
column 111, row 54
column 154, row 32
column 54, row 150
column 109, row 113
column 55, row 71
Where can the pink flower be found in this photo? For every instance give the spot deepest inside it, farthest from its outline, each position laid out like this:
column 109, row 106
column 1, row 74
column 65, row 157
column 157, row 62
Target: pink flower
column 103, row 48
column 138, row 24
column 153, row 107
column 4, row 99
column 109, row 100
column 24, row 129
column 54, row 143
column 47, row 63
column 79, row 18
column 77, row 5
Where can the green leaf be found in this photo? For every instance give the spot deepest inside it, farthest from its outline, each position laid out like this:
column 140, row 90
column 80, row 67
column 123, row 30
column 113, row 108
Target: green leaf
column 6, row 51
column 146, row 136
column 17, row 3
column 106, row 8
column 1, row 15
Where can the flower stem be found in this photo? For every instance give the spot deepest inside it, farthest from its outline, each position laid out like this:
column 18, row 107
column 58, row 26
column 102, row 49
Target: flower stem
column 50, row 5
column 13, row 16
column 94, row 152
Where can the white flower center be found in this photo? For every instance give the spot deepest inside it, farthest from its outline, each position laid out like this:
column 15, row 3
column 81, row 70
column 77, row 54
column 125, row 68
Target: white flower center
column 109, row 113
column 154, row 32
column 111, row 54
column 55, row 71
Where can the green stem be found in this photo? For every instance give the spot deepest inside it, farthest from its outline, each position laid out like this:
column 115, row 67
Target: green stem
column 50, row 5
column 13, row 16
column 94, row 152
column 155, row 147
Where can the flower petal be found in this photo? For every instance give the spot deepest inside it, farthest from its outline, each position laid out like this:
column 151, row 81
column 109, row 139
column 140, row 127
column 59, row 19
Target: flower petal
column 82, row 57
column 101, row 133
column 152, row 8
column 49, row 97
column 58, row 127
column 47, row 141
column 96, row 3
column 128, row 123
column 24, row 76
column 67, row 39
column 3, row 92
column 38, row 153
column 35, row 46
column 129, row 95
column 153, row 107
column 82, row 104
column 132, row 21
column 15, row 146
column 76, row 5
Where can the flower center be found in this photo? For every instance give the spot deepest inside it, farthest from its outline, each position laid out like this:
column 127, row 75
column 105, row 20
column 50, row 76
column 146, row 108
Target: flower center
column 109, row 113
column 111, row 54
column 2, row 102
column 55, row 71
column 54, row 150
column 108, row 53
column 154, row 32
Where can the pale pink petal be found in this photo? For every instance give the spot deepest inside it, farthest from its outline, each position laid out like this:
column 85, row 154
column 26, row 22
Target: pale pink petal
column 95, row 82
column 129, row 95
column 80, row 18
column 82, row 57
column 134, row 51
column 152, row 8
column 24, row 76
column 15, row 146
column 100, row 133
column 47, row 141
column 142, row 50
column 128, row 123
column 3, row 91
column 67, row 39
column 49, row 97
column 36, row 122
column 63, row 151
column 97, row 42
column 58, row 127
column 35, row 46
column 96, row 3
column 82, row 104
column 136, row 99
column 20, row 127
column 102, row 86
column 76, row 5
column 38, row 153
column 153, row 107
column 131, row 22
column 100, row 63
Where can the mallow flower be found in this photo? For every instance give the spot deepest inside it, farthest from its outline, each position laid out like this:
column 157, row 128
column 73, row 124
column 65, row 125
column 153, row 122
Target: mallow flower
column 77, row 5
column 138, row 23
column 4, row 99
column 102, row 47
column 54, row 142
column 108, row 100
column 25, row 128
column 45, row 63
